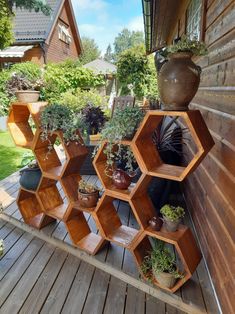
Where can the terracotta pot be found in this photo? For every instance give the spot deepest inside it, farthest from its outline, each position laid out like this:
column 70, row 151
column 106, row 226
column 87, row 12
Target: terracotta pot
column 121, row 179
column 30, row 178
column 165, row 279
column 88, row 200
column 178, row 81
column 171, row 226
column 27, row 96
column 155, row 223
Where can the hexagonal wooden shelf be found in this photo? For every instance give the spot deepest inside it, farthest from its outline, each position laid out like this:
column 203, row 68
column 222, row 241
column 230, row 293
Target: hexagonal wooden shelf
column 18, row 122
column 50, row 163
column 147, row 155
column 31, row 209
column 110, row 224
column 185, row 246
column 80, row 232
column 100, row 165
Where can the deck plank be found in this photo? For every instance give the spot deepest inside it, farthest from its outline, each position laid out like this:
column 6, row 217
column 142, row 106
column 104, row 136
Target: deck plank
column 78, row 292
column 58, row 294
column 112, row 255
column 45, row 281
column 135, row 301
column 21, row 264
column 154, row 306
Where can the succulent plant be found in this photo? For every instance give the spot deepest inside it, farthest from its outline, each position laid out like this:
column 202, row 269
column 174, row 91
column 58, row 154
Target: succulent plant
column 86, row 187
column 172, row 213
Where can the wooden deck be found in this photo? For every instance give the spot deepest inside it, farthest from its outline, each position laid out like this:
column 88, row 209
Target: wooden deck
column 42, row 272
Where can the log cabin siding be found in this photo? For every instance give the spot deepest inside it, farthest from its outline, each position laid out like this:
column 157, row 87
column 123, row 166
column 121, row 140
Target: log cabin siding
column 58, row 50
column 210, row 190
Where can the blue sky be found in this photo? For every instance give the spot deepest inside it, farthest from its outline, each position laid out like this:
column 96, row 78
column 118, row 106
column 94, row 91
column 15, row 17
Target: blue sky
column 102, row 20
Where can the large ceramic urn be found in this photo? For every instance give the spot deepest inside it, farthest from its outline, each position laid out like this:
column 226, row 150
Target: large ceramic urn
column 178, row 81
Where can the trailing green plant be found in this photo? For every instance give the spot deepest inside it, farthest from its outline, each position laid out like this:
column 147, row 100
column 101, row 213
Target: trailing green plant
column 172, row 213
column 86, row 187
column 58, row 117
column 159, row 260
column 185, row 44
column 123, row 125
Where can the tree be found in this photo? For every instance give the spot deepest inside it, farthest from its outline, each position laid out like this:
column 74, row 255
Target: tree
column 136, row 71
column 6, row 16
column 108, row 56
column 127, row 39
column 90, row 50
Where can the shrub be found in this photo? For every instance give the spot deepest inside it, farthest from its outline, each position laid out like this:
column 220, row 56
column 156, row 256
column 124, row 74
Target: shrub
column 63, row 76
column 29, row 70
column 4, row 98
column 78, row 99
column 135, row 69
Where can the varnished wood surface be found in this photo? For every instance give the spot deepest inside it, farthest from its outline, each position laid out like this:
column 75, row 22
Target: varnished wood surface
column 210, row 189
column 112, row 252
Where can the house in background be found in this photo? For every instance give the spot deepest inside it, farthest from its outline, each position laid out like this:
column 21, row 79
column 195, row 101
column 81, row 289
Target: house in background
column 41, row 38
column 109, row 70
column 209, row 191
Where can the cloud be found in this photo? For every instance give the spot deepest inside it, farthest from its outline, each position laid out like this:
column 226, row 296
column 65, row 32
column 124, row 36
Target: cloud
column 90, row 29
column 94, row 5
column 136, row 24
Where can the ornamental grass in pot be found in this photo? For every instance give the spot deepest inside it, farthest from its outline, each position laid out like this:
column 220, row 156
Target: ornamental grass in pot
column 88, row 194
column 179, row 78
column 26, row 90
column 172, row 216
column 161, row 263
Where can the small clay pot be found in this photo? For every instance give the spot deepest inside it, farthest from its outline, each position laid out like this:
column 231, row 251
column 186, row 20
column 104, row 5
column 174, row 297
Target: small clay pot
column 155, row 223
column 171, row 226
column 165, row 279
column 178, row 81
column 88, row 200
column 121, row 179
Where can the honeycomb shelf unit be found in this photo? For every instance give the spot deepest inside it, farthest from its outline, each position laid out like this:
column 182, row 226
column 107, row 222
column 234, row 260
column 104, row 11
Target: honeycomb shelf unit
column 45, row 204
column 151, row 165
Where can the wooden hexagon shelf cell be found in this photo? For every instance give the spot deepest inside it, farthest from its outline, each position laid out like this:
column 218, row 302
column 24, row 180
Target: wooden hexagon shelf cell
column 80, row 232
column 31, row 209
column 184, row 244
column 18, row 122
column 147, row 155
column 50, row 162
column 100, row 167
column 110, row 224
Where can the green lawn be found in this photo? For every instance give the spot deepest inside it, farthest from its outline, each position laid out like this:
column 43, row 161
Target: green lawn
column 10, row 155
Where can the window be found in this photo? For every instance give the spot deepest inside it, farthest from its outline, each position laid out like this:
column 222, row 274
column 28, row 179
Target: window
column 193, row 25
column 64, row 34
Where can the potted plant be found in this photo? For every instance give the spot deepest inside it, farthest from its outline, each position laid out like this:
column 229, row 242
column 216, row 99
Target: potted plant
column 88, row 194
column 122, row 126
column 26, row 90
column 161, row 263
column 172, row 216
column 31, row 175
column 179, row 78
column 94, row 120
column 58, row 117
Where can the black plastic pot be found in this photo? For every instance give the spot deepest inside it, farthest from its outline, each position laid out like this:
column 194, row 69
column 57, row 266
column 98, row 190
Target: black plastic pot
column 30, row 178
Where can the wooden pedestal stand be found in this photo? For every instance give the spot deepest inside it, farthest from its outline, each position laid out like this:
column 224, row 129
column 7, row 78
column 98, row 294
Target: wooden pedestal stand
column 40, row 207
column 150, row 163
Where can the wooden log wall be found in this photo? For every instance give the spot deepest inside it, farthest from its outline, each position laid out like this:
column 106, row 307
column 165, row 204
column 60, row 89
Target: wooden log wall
column 210, row 191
